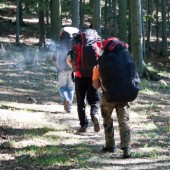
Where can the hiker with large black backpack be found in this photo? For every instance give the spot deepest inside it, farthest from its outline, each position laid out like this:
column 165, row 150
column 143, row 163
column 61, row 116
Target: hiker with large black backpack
column 82, row 58
column 119, row 80
column 65, row 83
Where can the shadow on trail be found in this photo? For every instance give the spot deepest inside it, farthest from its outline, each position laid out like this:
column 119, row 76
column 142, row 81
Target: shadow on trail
column 72, row 156
column 66, row 157
column 32, row 88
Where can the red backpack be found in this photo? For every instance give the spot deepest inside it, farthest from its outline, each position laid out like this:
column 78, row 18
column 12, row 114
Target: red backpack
column 87, row 43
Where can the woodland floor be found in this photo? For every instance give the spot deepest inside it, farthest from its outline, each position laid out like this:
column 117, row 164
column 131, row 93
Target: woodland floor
column 29, row 101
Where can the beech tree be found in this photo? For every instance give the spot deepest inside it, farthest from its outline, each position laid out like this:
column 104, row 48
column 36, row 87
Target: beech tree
column 17, row 23
column 97, row 16
column 41, row 23
column 149, row 24
column 122, row 24
column 136, row 34
column 113, row 21
column 164, row 51
column 75, row 13
column 55, row 19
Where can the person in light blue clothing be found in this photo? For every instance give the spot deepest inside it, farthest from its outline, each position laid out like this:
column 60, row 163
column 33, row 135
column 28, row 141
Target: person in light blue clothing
column 64, row 72
column 65, row 82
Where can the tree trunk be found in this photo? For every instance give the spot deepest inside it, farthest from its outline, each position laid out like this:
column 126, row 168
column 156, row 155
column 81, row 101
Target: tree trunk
column 136, row 34
column 17, row 24
column 55, row 20
column 157, row 27
column 47, row 17
column 110, row 24
column 143, row 32
column 82, row 2
column 114, row 16
column 75, row 13
column 164, row 51
column 97, row 16
column 41, row 23
column 122, row 20
column 105, row 19
column 27, row 6
column 20, row 13
column 149, row 18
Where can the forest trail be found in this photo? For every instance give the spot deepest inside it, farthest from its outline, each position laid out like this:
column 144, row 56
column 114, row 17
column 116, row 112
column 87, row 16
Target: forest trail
column 29, row 103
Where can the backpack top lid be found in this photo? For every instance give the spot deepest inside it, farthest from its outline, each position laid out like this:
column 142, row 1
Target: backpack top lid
column 113, row 44
column 68, row 32
column 88, row 34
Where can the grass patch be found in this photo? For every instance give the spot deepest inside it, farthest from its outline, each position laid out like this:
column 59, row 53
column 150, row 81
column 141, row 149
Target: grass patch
column 152, row 154
column 27, row 110
column 155, row 135
column 59, row 155
column 152, row 87
column 47, row 150
column 147, row 108
column 38, row 131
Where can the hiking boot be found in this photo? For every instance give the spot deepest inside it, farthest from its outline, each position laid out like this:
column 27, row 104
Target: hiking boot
column 82, row 129
column 126, row 152
column 96, row 124
column 108, row 149
column 66, row 103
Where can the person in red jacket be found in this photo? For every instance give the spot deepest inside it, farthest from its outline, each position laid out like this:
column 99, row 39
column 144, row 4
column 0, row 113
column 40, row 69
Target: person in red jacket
column 85, row 91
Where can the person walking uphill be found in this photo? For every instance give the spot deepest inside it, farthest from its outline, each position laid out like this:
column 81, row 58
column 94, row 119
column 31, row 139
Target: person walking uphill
column 65, row 82
column 82, row 58
column 116, row 75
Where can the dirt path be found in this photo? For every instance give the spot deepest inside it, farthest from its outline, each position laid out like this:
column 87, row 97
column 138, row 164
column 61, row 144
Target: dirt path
column 29, row 101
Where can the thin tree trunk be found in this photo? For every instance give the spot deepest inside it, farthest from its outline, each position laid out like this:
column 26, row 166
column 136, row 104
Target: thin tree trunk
column 75, row 13
column 122, row 20
column 114, row 16
column 20, row 13
column 110, row 24
column 17, row 23
column 41, row 23
column 27, row 6
column 55, row 20
column 149, row 14
column 157, row 27
column 105, row 19
column 97, row 16
column 136, row 34
column 164, row 51
column 82, row 2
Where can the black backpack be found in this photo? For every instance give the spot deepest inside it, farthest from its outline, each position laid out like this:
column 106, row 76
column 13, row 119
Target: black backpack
column 120, row 79
column 84, row 56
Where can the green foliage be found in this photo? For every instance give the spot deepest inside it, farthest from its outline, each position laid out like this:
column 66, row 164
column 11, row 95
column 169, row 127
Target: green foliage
column 38, row 131
column 2, row 4
column 48, row 155
column 53, row 155
column 65, row 5
column 148, row 17
column 168, row 25
column 145, row 86
column 88, row 7
column 151, row 154
column 1, row 81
